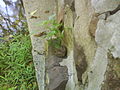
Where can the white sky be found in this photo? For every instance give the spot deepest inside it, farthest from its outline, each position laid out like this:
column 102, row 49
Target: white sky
column 14, row 0
column 2, row 7
column 2, row 4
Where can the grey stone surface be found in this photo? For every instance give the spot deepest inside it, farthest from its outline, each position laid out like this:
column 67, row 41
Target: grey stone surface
column 72, row 79
column 104, row 5
column 39, row 7
column 95, row 49
column 107, row 39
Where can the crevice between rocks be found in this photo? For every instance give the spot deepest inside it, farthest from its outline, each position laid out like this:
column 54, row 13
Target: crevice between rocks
column 56, row 75
column 95, row 19
column 80, row 61
column 109, row 13
column 112, row 75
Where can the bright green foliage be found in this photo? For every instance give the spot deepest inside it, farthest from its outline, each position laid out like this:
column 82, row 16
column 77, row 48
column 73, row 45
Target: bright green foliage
column 16, row 67
column 54, row 31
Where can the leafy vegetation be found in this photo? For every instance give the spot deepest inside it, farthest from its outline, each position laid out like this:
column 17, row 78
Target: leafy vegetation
column 55, row 31
column 16, row 66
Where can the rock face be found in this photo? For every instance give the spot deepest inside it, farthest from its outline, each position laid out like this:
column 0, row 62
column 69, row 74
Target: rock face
column 36, row 12
column 102, row 64
column 92, row 40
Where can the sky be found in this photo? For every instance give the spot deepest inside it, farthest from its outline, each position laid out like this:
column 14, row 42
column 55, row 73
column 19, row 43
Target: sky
column 2, row 4
column 3, row 8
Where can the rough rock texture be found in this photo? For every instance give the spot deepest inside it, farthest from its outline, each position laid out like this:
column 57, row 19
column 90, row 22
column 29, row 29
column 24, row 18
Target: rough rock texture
column 105, row 37
column 95, row 35
column 92, row 40
column 104, row 5
column 36, row 12
column 57, row 75
column 72, row 83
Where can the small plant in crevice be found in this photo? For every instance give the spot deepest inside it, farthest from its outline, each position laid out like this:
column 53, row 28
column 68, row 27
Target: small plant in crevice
column 55, row 34
column 55, row 31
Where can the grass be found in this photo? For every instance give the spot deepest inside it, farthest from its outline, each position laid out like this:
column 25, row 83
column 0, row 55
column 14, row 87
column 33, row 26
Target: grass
column 16, row 66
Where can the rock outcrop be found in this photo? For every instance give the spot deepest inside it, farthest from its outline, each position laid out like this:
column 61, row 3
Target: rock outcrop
column 91, row 38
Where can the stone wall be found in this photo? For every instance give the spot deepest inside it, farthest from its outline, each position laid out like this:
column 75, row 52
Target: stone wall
column 92, row 42
column 93, row 58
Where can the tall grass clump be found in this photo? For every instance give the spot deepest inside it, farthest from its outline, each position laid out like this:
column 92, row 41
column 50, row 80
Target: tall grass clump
column 16, row 66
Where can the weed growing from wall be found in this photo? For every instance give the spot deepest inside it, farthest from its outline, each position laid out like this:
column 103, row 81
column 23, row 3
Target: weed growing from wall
column 55, row 31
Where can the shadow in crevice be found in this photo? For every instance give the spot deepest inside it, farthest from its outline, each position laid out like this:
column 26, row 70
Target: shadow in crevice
column 80, row 61
column 56, row 75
